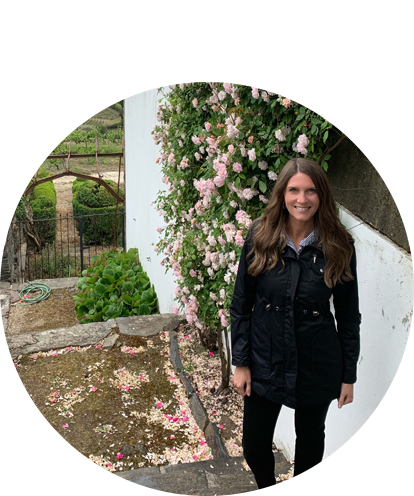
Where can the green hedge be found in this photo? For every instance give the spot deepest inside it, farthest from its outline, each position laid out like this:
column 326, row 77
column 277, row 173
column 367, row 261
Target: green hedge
column 90, row 198
column 42, row 200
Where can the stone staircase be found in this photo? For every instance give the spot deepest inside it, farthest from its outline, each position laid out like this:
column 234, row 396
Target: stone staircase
column 206, row 478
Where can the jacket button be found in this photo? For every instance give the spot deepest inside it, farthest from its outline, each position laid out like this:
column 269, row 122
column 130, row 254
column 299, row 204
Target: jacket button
column 277, row 309
column 315, row 313
column 268, row 307
column 305, row 312
column 321, row 270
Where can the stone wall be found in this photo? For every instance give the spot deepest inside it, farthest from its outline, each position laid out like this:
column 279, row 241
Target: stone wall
column 359, row 188
column 6, row 247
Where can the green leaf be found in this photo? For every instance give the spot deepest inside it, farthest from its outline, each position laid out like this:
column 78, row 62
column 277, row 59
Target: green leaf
column 262, row 186
column 143, row 310
column 127, row 287
column 325, row 136
column 100, row 289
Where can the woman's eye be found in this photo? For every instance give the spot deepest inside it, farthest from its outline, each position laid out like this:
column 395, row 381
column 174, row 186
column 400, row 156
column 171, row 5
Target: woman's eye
column 311, row 190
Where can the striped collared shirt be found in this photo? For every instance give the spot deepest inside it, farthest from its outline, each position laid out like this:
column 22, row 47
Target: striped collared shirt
column 313, row 236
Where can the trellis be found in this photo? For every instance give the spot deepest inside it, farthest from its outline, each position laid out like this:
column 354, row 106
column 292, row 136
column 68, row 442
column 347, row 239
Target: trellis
column 68, row 172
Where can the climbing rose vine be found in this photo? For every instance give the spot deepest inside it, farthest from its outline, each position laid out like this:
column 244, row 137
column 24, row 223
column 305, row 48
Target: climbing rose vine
column 222, row 146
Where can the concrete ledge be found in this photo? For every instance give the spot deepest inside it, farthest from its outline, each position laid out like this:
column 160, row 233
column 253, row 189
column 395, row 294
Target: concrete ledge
column 78, row 335
column 146, row 325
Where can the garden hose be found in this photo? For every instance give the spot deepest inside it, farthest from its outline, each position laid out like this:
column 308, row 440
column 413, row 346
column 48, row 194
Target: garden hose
column 29, row 294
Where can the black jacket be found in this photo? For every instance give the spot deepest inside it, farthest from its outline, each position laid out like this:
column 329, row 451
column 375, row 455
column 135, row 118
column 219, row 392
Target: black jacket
column 283, row 329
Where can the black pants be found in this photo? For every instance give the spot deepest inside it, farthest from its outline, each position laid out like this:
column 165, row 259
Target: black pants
column 260, row 416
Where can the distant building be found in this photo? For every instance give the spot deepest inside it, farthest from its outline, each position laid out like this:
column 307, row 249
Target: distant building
column 11, row 90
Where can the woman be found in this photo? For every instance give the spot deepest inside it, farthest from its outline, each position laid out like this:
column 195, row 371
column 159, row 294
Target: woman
column 285, row 346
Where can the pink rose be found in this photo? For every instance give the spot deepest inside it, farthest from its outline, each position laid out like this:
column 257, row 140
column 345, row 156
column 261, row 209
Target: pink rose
column 255, row 93
column 208, row 126
column 286, row 102
column 237, row 167
column 252, row 154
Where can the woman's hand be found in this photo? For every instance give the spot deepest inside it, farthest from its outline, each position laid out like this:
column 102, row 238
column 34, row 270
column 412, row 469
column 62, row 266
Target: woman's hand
column 243, row 380
column 347, row 395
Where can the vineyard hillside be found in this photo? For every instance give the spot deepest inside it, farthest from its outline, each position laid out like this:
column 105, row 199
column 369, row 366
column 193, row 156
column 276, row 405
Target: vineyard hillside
column 53, row 107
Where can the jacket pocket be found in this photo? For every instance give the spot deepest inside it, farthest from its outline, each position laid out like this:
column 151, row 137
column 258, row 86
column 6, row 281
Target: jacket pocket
column 326, row 357
column 261, row 349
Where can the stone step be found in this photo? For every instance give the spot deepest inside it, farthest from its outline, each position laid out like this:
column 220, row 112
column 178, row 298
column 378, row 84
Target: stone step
column 207, row 478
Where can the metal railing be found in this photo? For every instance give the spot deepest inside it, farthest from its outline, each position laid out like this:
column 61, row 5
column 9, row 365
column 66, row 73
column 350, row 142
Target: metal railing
column 64, row 246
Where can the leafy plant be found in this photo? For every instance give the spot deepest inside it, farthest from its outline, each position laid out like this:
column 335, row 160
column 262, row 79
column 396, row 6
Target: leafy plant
column 114, row 286
column 42, row 200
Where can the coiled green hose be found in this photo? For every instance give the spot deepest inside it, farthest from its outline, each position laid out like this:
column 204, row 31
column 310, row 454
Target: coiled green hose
column 33, row 289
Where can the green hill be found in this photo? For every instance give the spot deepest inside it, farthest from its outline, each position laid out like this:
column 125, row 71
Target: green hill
column 53, row 107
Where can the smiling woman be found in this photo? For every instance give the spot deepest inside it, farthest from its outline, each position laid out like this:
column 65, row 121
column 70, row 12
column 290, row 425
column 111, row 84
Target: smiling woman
column 286, row 348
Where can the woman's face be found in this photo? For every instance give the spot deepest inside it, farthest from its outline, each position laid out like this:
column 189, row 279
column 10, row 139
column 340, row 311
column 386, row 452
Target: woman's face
column 301, row 198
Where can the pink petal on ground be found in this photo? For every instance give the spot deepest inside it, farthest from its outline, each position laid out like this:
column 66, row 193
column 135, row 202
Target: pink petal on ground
column 176, row 419
column 65, row 426
column 185, row 419
column 172, row 436
column 55, row 354
column 210, row 353
column 221, row 426
column 93, row 389
column 98, row 347
column 180, row 402
column 195, row 457
column 109, row 464
column 159, row 404
column 214, row 412
column 120, row 456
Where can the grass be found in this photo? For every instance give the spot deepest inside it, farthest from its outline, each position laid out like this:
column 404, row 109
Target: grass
column 83, row 109
column 79, row 412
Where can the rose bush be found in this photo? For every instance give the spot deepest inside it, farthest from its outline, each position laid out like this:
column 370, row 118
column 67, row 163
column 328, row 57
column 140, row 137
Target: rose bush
column 222, row 146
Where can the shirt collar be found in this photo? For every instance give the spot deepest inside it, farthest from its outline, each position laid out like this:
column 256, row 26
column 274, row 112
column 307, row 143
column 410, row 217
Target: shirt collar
column 312, row 238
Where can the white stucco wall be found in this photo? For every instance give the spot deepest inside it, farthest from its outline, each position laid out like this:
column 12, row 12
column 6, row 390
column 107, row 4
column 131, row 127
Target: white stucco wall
column 385, row 280
column 143, row 181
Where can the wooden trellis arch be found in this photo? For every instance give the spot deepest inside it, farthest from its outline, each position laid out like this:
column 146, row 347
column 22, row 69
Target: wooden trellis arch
column 68, row 172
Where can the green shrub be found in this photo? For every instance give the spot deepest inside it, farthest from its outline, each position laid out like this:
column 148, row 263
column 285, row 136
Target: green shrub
column 114, row 286
column 92, row 198
column 42, row 200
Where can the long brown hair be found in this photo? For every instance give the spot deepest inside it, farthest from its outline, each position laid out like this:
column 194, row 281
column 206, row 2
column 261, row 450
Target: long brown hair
column 269, row 231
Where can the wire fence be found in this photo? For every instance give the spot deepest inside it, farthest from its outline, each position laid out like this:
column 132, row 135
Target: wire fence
column 64, row 246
